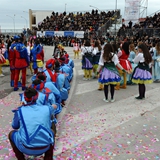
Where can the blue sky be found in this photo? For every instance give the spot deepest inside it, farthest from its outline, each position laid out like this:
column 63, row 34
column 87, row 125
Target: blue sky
column 16, row 7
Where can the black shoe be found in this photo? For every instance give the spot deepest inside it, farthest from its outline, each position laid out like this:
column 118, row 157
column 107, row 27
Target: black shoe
column 140, row 98
column 129, row 83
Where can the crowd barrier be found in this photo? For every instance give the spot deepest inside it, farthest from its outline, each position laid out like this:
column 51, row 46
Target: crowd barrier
column 78, row 34
column 112, row 20
column 151, row 32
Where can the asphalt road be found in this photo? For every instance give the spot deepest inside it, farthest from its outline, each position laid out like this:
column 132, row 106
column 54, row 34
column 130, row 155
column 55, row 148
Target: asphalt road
column 88, row 127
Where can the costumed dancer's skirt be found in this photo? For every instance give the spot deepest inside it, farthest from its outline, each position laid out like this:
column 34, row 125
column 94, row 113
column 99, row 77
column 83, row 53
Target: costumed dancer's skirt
column 141, row 76
column 87, row 63
column 96, row 59
column 109, row 77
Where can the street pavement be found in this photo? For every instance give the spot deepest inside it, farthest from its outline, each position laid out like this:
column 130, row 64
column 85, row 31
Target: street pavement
column 89, row 128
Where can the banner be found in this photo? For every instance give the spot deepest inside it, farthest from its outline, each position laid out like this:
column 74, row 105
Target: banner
column 68, row 34
column 49, row 33
column 132, row 11
column 78, row 34
column 40, row 33
column 59, row 33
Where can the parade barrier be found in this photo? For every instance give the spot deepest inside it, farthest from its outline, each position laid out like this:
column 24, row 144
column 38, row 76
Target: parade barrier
column 151, row 32
column 78, row 34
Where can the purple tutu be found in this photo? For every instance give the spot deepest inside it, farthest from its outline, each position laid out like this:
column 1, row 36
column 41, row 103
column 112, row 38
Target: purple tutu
column 86, row 64
column 109, row 77
column 141, row 76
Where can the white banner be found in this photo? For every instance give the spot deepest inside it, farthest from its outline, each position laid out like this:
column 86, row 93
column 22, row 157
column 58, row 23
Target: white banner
column 40, row 33
column 79, row 34
column 132, row 10
column 59, row 33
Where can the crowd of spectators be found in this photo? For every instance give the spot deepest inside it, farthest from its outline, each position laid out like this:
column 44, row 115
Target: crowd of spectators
column 149, row 25
column 75, row 22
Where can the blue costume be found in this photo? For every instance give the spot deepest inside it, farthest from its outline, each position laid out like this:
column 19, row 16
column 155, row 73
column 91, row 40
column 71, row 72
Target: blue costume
column 57, row 95
column 64, row 68
column 131, row 58
column 71, row 63
column 60, row 85
column 156, row 58
column 41, row 100
column 34, row 130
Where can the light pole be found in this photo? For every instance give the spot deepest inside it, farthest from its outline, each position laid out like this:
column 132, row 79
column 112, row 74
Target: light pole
column 65, row 7
column 13, row 20
column 25, row 20
column 94, row 7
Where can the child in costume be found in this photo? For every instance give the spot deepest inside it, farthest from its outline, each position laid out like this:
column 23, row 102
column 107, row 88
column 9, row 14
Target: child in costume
column 51, row 92
column 2, row 59
column 29, row 55
column 87, row 60
column 32, row 134
column 109, row 75
column 156, row 58
column 130, row 58
column 124, row 62
column 96, row 57
column 57, row 77
column 141, row 74
column 50, row 85
column 37, row 57
column 64, row 68
column 76, row 50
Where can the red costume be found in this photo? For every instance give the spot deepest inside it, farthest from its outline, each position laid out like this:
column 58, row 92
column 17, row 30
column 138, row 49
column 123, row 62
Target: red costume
column 20, row 62
column 11, row 62
column 124, row 62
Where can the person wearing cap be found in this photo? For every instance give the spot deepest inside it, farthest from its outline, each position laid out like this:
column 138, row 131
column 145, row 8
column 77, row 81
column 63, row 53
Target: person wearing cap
column 70, row 62
column 40, row 87
column 32, row 134
column 37, row 56
column 50, row 85
column 53, row 75
column 11, row 59
column 20, row 63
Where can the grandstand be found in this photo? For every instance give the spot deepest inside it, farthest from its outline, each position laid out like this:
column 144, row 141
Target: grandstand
column 149, row 26
column 93, row 21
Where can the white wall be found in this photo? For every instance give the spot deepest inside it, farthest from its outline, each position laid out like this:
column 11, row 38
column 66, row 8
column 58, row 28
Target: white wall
column 40, row 15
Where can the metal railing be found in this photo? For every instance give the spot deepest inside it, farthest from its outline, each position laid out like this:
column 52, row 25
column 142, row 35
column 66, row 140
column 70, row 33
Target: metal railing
column 103, row 30
column 151, row 32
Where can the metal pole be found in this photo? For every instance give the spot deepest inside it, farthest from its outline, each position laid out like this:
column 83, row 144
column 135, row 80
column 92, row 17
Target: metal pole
column 25, row 20
column 14, row 23
column 65, row 7
column 115, row 19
